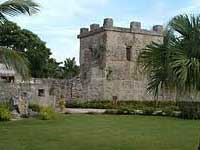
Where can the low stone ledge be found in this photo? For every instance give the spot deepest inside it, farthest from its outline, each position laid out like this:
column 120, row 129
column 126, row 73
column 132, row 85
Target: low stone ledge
column 84, row 111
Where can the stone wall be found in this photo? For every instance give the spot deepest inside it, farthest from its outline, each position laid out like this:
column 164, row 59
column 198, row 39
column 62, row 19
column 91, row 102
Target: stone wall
column 42, row 91
column 106, row 70
column 91, row 64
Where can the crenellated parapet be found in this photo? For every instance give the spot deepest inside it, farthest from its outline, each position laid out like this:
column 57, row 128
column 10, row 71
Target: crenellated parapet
column 108, row 60
column 108, row 25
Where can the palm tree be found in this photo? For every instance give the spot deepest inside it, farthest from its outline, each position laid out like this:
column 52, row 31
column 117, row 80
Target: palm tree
column 71, row 70
column 185, row 62
column 153, row 60
column 8, row 56
column 175, row 62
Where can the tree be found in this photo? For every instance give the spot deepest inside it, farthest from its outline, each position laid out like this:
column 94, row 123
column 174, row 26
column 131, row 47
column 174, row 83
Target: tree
column 17, row 7
column 53, row 69
column 29, row 44
column 71, row 70
column 154, row 60
column 11, row 58
column 177, row 59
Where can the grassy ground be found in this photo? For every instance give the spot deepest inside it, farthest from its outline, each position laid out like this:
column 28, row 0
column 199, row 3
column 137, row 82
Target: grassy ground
column 99, row 132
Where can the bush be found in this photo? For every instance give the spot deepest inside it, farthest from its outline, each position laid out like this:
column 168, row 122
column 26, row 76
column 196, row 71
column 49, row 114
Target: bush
column 125, row 104
column 129, row 107
column 61, row 104
column 90, row 104
column 169, row 110
column 190, row 110
column 111, row 112
column 46, row 113
column 5, row 114
column 34, row 107
column 149, row 110
column 123, row 111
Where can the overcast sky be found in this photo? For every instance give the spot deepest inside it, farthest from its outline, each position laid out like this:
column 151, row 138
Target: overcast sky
column 59, row 21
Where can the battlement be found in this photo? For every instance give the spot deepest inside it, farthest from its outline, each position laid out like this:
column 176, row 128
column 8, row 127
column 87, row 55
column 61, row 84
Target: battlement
column 108, row 25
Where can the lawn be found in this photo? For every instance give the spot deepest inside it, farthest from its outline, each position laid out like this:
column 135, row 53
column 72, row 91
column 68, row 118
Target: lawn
column 100, row 132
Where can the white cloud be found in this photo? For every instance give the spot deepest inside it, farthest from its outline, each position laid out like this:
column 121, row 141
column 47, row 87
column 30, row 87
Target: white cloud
column 59, row 21
column 193, row 8
column 54, row 24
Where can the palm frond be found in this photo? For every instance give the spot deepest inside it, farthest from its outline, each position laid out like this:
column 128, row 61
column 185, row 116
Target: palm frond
column 13, row 60
column 16, row 7
column 185, row 61
column 154, row 61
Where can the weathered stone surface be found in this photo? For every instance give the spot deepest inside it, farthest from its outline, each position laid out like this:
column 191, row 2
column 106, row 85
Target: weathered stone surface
column 113, row 73
column 32, row 113
column 15, row 114
column 45, row 92
column 135, row 26
column 108, row 23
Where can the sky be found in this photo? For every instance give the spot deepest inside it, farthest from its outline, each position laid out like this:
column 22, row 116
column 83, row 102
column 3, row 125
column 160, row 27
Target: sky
column 59, row 21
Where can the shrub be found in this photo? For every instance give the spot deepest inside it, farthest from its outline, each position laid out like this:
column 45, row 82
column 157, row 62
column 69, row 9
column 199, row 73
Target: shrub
column 111, row 111
column 169, row 110
column 34, row 107
column 148, row 110
column 46, row 113
column 190, row 110
column 129, row 107
column 125, row 104
column 123, row 111
column 61, row 104
column 5, row 114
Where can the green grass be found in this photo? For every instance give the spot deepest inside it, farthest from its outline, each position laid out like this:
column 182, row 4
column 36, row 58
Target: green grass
column 100, row 132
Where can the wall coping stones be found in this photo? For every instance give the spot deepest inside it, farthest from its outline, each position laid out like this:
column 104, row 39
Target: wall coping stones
column 135, row 28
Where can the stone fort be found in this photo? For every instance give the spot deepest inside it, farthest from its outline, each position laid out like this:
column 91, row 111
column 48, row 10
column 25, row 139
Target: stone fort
column 108, row 64
column 108, row 61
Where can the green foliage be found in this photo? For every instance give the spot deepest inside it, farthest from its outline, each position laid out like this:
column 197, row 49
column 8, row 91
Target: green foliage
column 120, row 104
column 29, row 44
column 5, row 114
column 111, row 111
column 34, row 107
column 90, row 104
column 149, row 110
column 190, row 110
column 61, row 104
column 129, row 107
column 16, row 7
column 53, row 69
column 176, row 62
column 35, row 51
column 9, row 57
column 46, row 113
column 70, row 68
column 14, row 60
column 123, row 111
column 154, row 61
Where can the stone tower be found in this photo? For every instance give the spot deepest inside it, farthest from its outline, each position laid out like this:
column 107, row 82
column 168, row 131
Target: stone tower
column 108, row 57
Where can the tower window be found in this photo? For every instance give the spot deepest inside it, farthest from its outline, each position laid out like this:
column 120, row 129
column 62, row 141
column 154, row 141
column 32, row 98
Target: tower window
column 128, row 53
column 41, row 92
column 85, row 75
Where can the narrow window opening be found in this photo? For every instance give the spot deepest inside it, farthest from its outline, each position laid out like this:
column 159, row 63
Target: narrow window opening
column 41, row 92
column 128, row 53
column 85, row 75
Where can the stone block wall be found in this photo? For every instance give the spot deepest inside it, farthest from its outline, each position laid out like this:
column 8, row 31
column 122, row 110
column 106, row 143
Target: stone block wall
column 46, row 92
column 108, row 58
